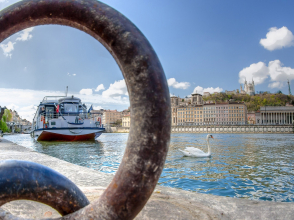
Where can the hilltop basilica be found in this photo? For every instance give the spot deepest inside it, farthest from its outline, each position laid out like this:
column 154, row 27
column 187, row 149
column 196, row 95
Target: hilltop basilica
column 248, row 88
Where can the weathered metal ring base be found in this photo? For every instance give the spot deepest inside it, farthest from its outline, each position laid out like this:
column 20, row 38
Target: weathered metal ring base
column 32, row 181
column 149, row 135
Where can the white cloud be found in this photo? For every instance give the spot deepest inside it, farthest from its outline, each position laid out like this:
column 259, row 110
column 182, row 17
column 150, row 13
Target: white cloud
column 117, row 89
column 25, row 34
column 276, row 85
column 277, row 39
column 211, row 90
column 279, row 73
column 7, row 48
column 100, row 87
column 71, row 74
column 28, row 99
column 178, row 85
column 256, row 71
column 97, row 107
column 86, row 92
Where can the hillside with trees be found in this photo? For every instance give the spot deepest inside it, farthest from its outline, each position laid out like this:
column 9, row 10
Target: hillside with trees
column 253, row 103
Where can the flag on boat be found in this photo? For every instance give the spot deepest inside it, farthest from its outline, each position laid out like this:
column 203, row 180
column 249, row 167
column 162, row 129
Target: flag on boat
column 90, row 109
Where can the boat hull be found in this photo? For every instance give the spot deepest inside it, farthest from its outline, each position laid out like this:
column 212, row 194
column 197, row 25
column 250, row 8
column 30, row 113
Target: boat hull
column 66, row 135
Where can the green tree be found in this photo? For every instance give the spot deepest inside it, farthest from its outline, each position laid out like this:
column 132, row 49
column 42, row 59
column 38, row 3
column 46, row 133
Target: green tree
column 6, row 117
column 7, row 114
column 3, row 126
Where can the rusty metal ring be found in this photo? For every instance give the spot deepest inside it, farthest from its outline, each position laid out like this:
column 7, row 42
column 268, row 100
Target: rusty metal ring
column 149, row 134
column 32, row 181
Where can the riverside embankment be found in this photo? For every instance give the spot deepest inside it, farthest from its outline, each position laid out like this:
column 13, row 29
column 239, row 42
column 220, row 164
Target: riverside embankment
column 165, row 203
column 237, row 129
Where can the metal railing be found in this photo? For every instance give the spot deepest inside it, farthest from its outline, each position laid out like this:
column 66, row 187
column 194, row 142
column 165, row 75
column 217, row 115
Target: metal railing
column 80, row 117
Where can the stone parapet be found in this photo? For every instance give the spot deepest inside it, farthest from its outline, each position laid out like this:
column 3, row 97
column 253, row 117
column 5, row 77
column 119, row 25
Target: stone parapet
column 263, row 129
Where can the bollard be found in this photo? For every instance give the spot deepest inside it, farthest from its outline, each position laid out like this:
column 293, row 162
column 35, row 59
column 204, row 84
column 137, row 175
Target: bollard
column 32, row 181
column 149, row 135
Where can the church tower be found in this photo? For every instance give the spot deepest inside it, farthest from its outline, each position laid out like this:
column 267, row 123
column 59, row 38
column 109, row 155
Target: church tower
column 197, row 99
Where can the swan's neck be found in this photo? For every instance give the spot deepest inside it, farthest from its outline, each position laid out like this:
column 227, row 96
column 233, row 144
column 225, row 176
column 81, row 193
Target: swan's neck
column 208, row 146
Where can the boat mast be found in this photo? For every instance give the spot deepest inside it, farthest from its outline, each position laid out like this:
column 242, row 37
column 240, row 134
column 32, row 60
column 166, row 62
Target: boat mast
column 66, row 91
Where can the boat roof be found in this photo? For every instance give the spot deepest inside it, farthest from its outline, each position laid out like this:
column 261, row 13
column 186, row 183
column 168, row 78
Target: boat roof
column 51, row 99
column 69, row 99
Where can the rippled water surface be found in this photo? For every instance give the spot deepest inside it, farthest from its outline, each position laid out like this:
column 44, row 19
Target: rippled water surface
column 254, row 166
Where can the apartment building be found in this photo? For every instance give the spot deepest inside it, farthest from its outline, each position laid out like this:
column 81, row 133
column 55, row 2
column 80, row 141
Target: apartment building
column 222, row 113
column 209, row 114
column 228, row 113
column 126, row 121
column 110, row 117
column 190, row 115
column 237, row 113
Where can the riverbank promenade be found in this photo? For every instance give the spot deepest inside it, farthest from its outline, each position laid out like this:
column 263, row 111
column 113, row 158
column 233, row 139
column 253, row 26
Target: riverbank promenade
column 165, row 203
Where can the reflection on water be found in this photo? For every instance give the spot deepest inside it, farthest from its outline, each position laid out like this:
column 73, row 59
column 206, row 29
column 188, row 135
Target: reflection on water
column 254, row 166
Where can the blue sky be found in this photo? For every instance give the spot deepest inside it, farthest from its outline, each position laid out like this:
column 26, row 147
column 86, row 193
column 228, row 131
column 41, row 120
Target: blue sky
column 202, row 45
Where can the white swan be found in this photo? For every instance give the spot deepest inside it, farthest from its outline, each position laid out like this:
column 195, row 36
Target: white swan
column 195, row 152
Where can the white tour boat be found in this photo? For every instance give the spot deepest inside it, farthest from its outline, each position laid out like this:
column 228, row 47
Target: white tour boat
column 62, row 118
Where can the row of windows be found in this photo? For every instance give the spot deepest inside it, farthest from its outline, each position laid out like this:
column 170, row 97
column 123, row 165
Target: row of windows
column 125, row 124
column 213, row 123
column 225, row 115
column 211, row 120
column 190, row 112
column 230, row 107
column 183, row 109
column 196, row 120
column 190, row 116
column 228, row 111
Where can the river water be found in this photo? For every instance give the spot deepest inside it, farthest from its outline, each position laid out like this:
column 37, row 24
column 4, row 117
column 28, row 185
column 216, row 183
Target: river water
column 252, row 166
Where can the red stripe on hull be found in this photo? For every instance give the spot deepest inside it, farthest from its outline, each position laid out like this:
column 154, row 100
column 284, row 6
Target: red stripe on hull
column 48, row 136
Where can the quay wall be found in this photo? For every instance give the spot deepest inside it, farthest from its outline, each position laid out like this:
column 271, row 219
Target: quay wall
column 263, row 129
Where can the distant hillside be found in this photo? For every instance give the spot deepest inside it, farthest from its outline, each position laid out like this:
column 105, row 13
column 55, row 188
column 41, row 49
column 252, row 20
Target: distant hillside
column 253, row 103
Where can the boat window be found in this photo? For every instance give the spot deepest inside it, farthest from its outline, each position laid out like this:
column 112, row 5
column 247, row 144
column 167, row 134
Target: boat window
column 71, row 108
column 49, row 109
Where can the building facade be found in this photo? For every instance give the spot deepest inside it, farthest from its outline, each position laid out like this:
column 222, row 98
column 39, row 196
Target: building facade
column 195, row 112
column 237, row 113
column 222, row 113
column 126, row 121
column 190, row 115
column 279, row 115
column 174, row 105
column 251, row 118
column 111, row 117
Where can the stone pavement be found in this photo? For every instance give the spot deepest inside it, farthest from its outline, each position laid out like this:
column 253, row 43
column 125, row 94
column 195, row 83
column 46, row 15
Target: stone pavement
column 165, row 203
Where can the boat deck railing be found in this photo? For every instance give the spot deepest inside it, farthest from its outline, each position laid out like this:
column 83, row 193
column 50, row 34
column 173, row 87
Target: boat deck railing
column 46, row 116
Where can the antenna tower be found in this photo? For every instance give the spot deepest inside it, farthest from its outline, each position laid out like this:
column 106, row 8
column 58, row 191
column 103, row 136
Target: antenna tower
column 289, row 87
